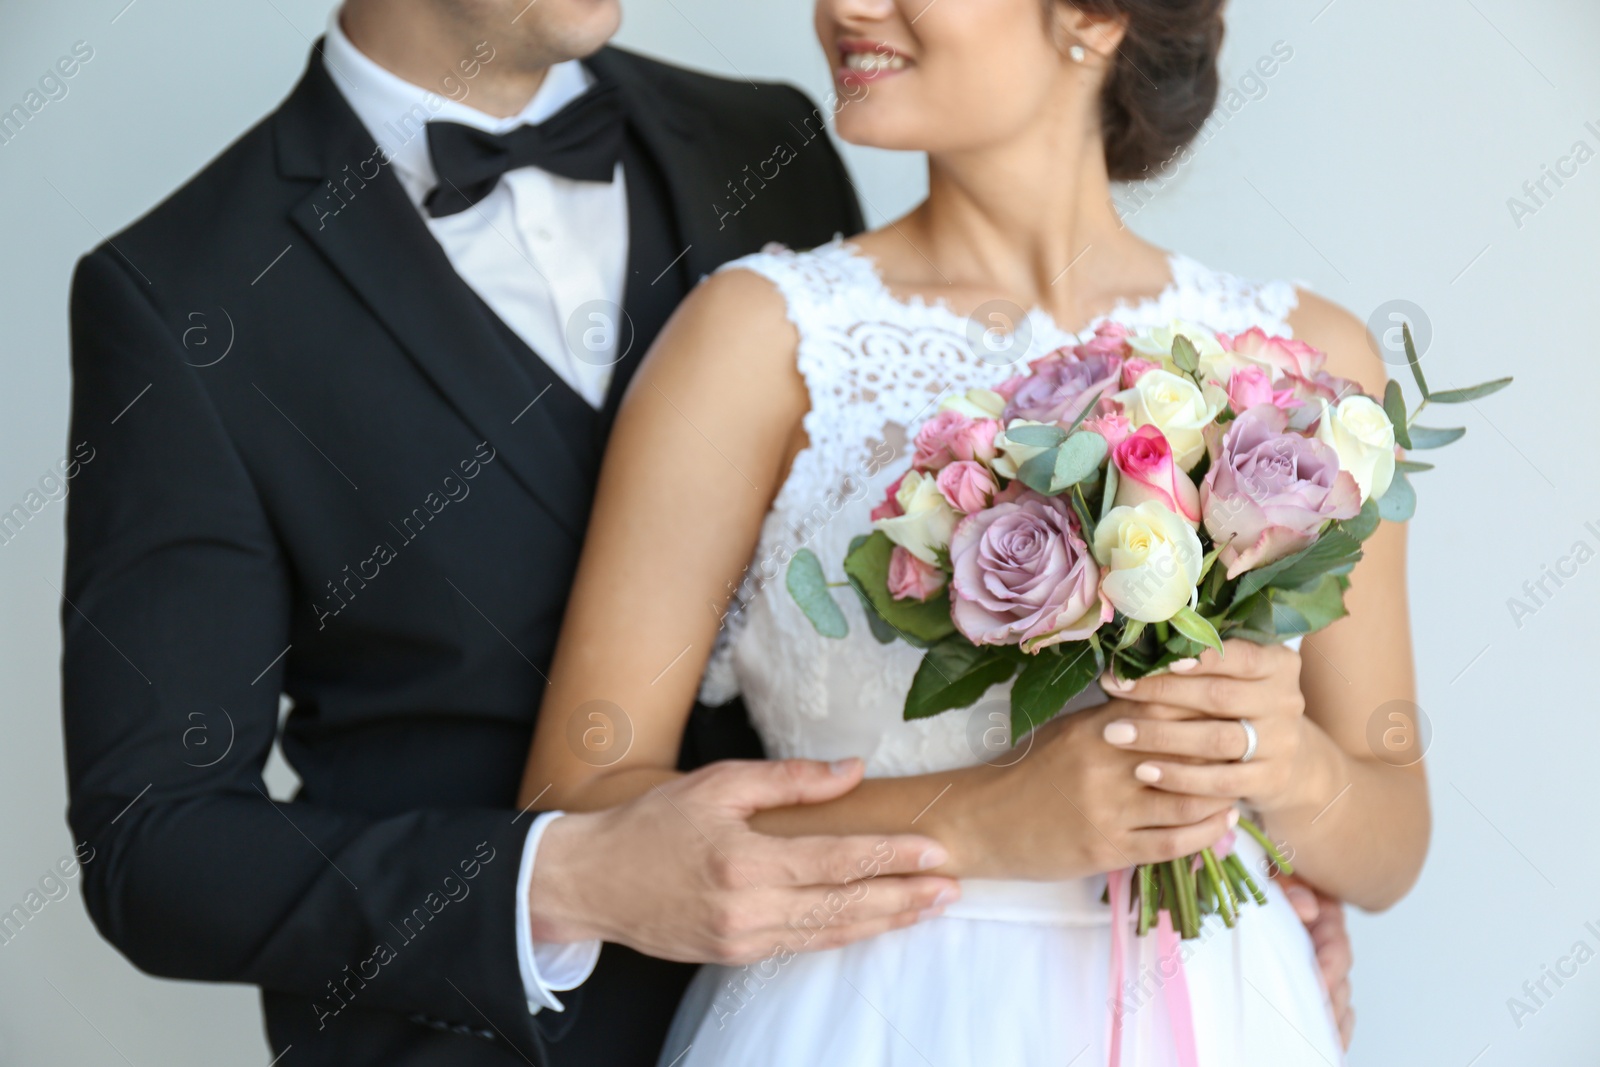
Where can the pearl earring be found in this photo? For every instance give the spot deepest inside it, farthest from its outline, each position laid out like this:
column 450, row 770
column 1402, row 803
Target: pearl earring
column 1077, row 53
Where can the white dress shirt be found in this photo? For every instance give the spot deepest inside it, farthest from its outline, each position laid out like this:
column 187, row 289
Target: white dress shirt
column 544, row 252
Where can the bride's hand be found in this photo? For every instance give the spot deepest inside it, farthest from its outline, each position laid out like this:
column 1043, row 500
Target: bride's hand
column 1110, row 820
column 1199, row 753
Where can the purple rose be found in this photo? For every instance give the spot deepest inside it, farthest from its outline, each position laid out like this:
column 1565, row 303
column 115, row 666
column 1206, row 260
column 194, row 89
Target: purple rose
column 1270, row 490
column 1060, row 386
column 1022, row 573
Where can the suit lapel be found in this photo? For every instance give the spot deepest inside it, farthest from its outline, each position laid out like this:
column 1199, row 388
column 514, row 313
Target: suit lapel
column 379, row 244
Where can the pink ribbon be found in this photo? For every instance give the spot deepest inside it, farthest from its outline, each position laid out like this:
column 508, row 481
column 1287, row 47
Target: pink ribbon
column 1180, row 1010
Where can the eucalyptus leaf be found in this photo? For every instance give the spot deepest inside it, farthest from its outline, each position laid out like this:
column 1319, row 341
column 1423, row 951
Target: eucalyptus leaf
column 1428, row 437
column 1411, row 466
column 1037, row 436
column 809, row 587
column 1083, row 412
column 1077, row 460
column 1394, row 406
column 1399, row 503
column 1304, row 611
column 1471, row 392
column 1048, row 682
column 1037, row 472
column 954, row 674
column 1184, row 355
column 1412, row 359
column 1365, row 524
column 1108, row 499
column 918, row 621
column 1193, row 625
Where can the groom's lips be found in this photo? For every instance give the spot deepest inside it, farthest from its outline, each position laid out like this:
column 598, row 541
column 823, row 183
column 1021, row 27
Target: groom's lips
column 862, row 62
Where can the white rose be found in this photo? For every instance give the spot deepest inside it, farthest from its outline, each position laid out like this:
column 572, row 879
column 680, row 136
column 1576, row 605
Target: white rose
column 1156, row 346
column 1178, row 408
column 1358, row 429
column 976, row 404
column 1152, row 560
column 928, row 520
column 1011, row 455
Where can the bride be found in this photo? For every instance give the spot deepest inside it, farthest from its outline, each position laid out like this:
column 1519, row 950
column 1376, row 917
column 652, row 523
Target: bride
column 775, row 409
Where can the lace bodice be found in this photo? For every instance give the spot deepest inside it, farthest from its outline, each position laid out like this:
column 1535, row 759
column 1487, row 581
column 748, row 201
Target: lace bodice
column 876, row 366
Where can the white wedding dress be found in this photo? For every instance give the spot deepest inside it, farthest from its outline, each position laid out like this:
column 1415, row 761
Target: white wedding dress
column 1015, row 974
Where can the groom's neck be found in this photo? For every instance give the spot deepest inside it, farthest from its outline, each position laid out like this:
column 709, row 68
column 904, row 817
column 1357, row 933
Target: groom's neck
column 424, row 40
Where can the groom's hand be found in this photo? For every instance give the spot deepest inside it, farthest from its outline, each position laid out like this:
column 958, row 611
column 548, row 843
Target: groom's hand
column 679, row 874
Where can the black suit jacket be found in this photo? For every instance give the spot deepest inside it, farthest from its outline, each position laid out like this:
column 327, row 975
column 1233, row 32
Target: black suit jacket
column 313, row 470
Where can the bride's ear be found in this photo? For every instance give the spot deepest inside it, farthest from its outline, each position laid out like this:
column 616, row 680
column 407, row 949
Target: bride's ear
column 1096, row 35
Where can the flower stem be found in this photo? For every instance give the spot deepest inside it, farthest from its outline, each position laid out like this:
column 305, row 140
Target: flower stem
column 1272, row 850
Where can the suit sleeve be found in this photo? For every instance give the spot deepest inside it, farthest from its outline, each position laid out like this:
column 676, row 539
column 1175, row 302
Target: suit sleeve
column 176, row 632
column 832, row 178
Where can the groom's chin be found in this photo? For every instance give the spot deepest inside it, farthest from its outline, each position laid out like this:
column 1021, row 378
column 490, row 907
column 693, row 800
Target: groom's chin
column 562, row 29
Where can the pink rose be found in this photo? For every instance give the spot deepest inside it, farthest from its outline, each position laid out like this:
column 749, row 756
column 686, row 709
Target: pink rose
column 1283, row 355
column 1146, row 472
column 1061, row 386
column 1135, row 368
column 1110, row 339
column 1308, row 391
column 1022, row 574
column 1249, row 386
column 912, row 579
column 968, row 486
column 1114, row 426
column 890, row 508
column 951, row 436
column 1269, row 490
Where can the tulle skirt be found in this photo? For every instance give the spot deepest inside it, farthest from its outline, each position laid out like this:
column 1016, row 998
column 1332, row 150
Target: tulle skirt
column 1017, row 974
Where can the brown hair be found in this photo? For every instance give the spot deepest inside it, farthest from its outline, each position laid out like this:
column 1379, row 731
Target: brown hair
column 1162, row 83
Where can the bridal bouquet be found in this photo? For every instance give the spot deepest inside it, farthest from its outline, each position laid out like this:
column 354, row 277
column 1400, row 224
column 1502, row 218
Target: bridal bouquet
column 1123, row 504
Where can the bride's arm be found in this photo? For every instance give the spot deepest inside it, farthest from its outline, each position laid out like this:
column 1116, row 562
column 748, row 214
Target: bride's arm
column 704, row 439
column 1354, row 811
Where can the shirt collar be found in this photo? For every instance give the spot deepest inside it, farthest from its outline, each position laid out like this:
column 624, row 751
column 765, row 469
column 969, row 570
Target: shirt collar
column 395, row 111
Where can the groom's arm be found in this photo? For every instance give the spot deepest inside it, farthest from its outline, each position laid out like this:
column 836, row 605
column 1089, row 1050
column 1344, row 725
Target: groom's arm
column 176, row 623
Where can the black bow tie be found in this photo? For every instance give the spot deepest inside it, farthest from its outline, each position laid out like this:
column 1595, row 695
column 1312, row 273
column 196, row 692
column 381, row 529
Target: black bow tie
column 583, row 141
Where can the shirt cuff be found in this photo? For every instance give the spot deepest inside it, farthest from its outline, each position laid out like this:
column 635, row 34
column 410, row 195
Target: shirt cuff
column 547, row 969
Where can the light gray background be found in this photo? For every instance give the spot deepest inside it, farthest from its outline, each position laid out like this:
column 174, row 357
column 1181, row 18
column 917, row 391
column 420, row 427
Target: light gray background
column 1377, row 165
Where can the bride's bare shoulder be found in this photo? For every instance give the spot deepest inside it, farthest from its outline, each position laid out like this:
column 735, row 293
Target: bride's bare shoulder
column 1333, row 329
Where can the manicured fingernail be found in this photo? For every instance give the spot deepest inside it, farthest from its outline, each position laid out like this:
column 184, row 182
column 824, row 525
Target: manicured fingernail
column 932, row 857
column 1148, row 773
column 1121, row 732
column 1115, row 684
column 844, row 767
column 948, row 895
column 1185, row 665
column 929, row 913
column 1233, row 818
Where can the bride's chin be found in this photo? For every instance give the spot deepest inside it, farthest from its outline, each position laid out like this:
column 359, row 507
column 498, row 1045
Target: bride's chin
column 875, row 131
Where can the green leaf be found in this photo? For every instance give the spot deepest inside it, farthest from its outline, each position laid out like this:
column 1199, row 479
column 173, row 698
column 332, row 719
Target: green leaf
column 1335, row 548
column 1037, row 472
column 1409, row 466
column 1077, row 460
column 1052, row 678
column 1471, row 392
column 1394, row 406
column 1037, row 436
column 1399, row 502
column 1276, row 614
column 1185, row 355
column 917, row 621
column 1088, row 407
column 1365, row 524
column 1132, row 630
column 881, row 631
column 1108, row 498
column 1192, row 625
column 1412, row 360
column 954, row 674
column 809, row 587
column 1428, row 437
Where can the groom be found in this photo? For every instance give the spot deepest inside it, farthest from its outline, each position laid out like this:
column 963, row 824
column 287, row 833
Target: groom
column 349, row 389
